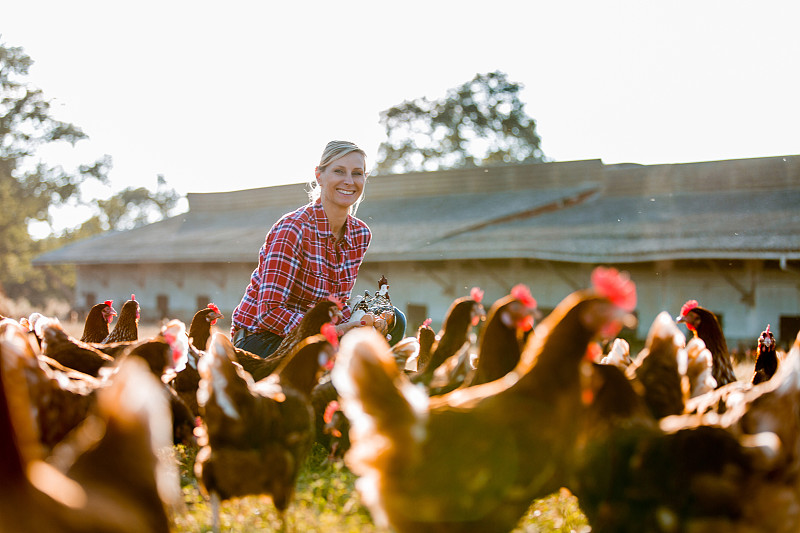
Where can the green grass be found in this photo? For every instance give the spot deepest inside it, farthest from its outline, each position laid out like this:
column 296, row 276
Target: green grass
column 326, row 501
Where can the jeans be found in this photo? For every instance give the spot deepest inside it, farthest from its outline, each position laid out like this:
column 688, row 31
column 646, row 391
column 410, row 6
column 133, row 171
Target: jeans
column 266, row 342
column 261, row 344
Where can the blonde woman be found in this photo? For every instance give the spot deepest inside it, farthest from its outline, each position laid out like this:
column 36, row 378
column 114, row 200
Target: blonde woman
column 308, row 255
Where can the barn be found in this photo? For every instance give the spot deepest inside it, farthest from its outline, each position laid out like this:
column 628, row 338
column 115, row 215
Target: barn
column 726, row 233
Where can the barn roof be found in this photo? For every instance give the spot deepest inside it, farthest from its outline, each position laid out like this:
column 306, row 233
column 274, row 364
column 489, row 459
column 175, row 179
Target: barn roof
column 576, row 211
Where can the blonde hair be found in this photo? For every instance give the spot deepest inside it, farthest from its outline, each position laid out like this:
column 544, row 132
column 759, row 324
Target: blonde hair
column 333, row 151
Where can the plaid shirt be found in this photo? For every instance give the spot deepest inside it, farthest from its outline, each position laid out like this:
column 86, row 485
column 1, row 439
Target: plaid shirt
column 300, row 264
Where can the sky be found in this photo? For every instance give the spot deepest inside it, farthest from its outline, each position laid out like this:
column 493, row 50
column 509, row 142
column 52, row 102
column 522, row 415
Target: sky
column 220, row 96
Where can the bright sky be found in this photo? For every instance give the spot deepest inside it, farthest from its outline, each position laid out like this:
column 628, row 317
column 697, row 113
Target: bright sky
column 221, row 96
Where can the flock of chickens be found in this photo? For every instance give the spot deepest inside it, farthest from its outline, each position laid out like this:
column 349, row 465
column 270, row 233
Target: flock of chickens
column 447, row 431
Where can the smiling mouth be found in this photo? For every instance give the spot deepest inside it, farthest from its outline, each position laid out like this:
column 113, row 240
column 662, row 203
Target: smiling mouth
column 348, row 193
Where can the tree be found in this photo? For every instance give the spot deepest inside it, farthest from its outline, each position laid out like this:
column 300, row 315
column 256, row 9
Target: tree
column 29, row 187
column 479, row 123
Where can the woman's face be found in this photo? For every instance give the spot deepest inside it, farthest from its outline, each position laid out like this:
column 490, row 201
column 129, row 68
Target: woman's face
column 342, row 181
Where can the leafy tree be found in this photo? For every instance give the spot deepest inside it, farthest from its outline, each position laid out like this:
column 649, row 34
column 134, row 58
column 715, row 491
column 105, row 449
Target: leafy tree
column 479, row 123
column 29, row 187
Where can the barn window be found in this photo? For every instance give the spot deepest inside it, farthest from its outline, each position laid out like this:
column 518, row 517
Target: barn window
column 789, row 326
column 415, row 316
column 162, row 304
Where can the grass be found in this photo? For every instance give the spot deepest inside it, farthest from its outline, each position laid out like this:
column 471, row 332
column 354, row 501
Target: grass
column 326, row 501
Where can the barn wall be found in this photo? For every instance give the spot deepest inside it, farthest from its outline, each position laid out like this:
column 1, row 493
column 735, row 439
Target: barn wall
column 434, row 285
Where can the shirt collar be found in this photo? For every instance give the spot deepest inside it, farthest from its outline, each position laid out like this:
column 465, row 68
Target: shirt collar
column 324, row 229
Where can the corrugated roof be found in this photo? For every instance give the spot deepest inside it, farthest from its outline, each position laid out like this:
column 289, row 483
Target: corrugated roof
column 580, row 211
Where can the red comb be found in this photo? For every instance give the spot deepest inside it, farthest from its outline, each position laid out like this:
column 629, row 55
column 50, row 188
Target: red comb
column 329, row 331
column 214, row 308
column 337, row 301
column 476, row 294
column 329, row 410
column 767, row 331
column 688, row 306
column 133, row 297
column 427, row 322
column 616, row 286
column 109, row 303
column 523, row 294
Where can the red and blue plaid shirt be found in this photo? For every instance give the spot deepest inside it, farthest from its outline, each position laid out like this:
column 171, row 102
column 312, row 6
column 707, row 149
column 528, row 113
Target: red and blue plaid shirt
column 300, row 264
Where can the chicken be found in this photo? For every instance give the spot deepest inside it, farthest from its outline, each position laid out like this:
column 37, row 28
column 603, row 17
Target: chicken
column 766, row 358
column 200, row 327
column 166, row 354
column 454, row 338
column 619, row 355
column 704, row 324
column 127, row 326
column 700, row 472
column 85, row 486
column 656, row 367
column 411, row 349
column 323, row 312
column 186, row 380
column 474, row 459
column 59, row 399
column 57, row 344
column 368, row 308
column 255, row 436
column 508, row 322
column 95, row 328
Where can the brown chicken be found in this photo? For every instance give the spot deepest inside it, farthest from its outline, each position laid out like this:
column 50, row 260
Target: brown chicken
column 454, row 338
column 766, row 358
column 255, row 436
column 656, row 368
column 704, row 324
column 90, row 488
column 200, row 327
column 474, row 459
column 186, row 380
column 57, row 344
column 412, row 349
column 60, row 399
column 703, row 472
column 95, row 328
column 508, row 323
column 127, row 326
column 323, row 312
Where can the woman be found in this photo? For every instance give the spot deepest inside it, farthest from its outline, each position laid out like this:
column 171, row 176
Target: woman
column 308, row 255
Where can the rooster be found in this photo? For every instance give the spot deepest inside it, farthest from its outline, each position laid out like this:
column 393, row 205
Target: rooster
column 508, row 323
column 697, row 472
column 454, row 338
column 95, row 328
column 766, row 358
column 704, row 324
column 89, row 488
column 127, row 326
column 255, row 436
column 474, row 459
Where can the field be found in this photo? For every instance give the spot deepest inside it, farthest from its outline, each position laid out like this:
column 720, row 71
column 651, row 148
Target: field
column 326, row 499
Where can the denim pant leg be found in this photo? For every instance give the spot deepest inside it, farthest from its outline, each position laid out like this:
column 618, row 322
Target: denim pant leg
column 399, row 329
column 262, row 344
